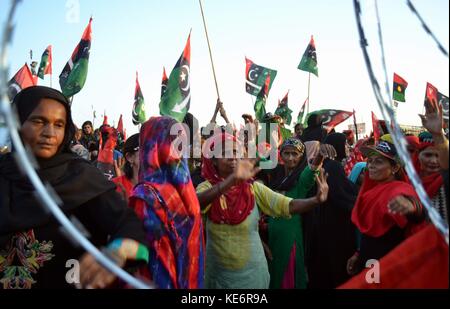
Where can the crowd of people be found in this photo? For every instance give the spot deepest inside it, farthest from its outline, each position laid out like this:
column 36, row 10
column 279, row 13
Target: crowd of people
column 328, row 207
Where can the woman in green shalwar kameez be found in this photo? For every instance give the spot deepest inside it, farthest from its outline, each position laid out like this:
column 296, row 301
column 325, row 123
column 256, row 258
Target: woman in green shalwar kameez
column 293, row 179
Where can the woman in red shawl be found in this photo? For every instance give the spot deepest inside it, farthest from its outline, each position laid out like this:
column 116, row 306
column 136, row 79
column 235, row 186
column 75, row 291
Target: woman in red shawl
column 387, row 205
column 428, row 166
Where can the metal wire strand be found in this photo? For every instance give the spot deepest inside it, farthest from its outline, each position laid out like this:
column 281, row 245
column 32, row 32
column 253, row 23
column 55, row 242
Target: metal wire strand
column 397, row 134
column 45, row 197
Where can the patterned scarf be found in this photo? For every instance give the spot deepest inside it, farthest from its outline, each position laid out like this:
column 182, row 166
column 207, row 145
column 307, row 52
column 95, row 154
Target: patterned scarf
column 172, row 216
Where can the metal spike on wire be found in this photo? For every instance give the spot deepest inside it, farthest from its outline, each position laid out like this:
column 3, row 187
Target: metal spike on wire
column 426, row 28
column 397, row 134
column 45, row 195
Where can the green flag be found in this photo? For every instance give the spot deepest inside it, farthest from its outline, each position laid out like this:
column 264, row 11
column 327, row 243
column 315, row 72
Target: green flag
column 309, row 59
column 139, row 105
column 175, row 101
column 73, row 77
column 301, row 113
column 283, row 110
column 260, row 103
column 255, row 77
column 45, row 67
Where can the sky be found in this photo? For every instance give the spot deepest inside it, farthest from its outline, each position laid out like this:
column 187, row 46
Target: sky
column 144, row 36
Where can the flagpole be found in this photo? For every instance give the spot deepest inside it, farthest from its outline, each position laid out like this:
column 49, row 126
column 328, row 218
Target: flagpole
column 356, row 125
column 212, row 62
column 309, row 83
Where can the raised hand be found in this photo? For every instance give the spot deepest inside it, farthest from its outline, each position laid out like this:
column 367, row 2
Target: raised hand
column 317, row 162
column 322, row 187
column 433, row 120
column 244, row 170
column 328, row 151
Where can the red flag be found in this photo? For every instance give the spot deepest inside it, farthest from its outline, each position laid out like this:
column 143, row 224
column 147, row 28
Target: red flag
column 431, row 96
column 105, row 160
column 105, row 120
column 164, row 82
column 23, row 79
column 331, row 117
column 379, row 127
column 120, row 125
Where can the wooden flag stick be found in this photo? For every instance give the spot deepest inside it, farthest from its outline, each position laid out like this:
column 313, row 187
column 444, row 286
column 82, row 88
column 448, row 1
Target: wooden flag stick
column 309, row 83
column 213, row 120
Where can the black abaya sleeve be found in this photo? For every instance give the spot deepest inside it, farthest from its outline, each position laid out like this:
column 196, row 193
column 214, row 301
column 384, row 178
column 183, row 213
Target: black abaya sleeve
column 342, row 191
column 108, row 217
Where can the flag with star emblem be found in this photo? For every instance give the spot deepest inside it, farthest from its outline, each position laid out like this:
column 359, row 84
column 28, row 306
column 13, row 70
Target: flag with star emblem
column 283, row 110
column 74, row 74
column 309, row 59
column 176, row 100
column 260, row 103
column 255, row 77
column 21, row 80
column 331, row 117
column 398, row 93
column 138, row 113
column 45, row 67
column 164, row 82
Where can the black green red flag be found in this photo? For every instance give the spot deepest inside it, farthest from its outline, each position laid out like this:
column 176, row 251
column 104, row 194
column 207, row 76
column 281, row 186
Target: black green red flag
column 176, row 100
column 399, row 88
column 73, row 76
column 260, row 103
column 309, row 59
column 120, row 125
column 255, row 77
column 21, row 80
column 331, row 117
column 164, row 82
column 283, row 110
column 45, row 67
column 138, row 113
column 105, row 160
column 379, row 127
column 301, row 113
column 443, row 101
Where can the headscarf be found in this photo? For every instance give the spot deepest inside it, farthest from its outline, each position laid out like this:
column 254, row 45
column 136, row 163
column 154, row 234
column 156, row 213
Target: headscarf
column 235, row 205
column 73, row 179
column 172, row 215
column 371, row 214
column 358, row 168
column 279, row 181
column 432, row 183
column 312, row 150
column 337, row 140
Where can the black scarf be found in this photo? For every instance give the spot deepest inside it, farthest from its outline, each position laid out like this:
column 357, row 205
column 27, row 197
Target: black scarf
column 337, row 140
column 74, row 179
column 280, row 182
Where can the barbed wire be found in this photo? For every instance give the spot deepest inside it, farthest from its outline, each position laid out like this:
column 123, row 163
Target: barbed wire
column 397, row 134
column 426, row 28
column 27, row 162
column 383, row 57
